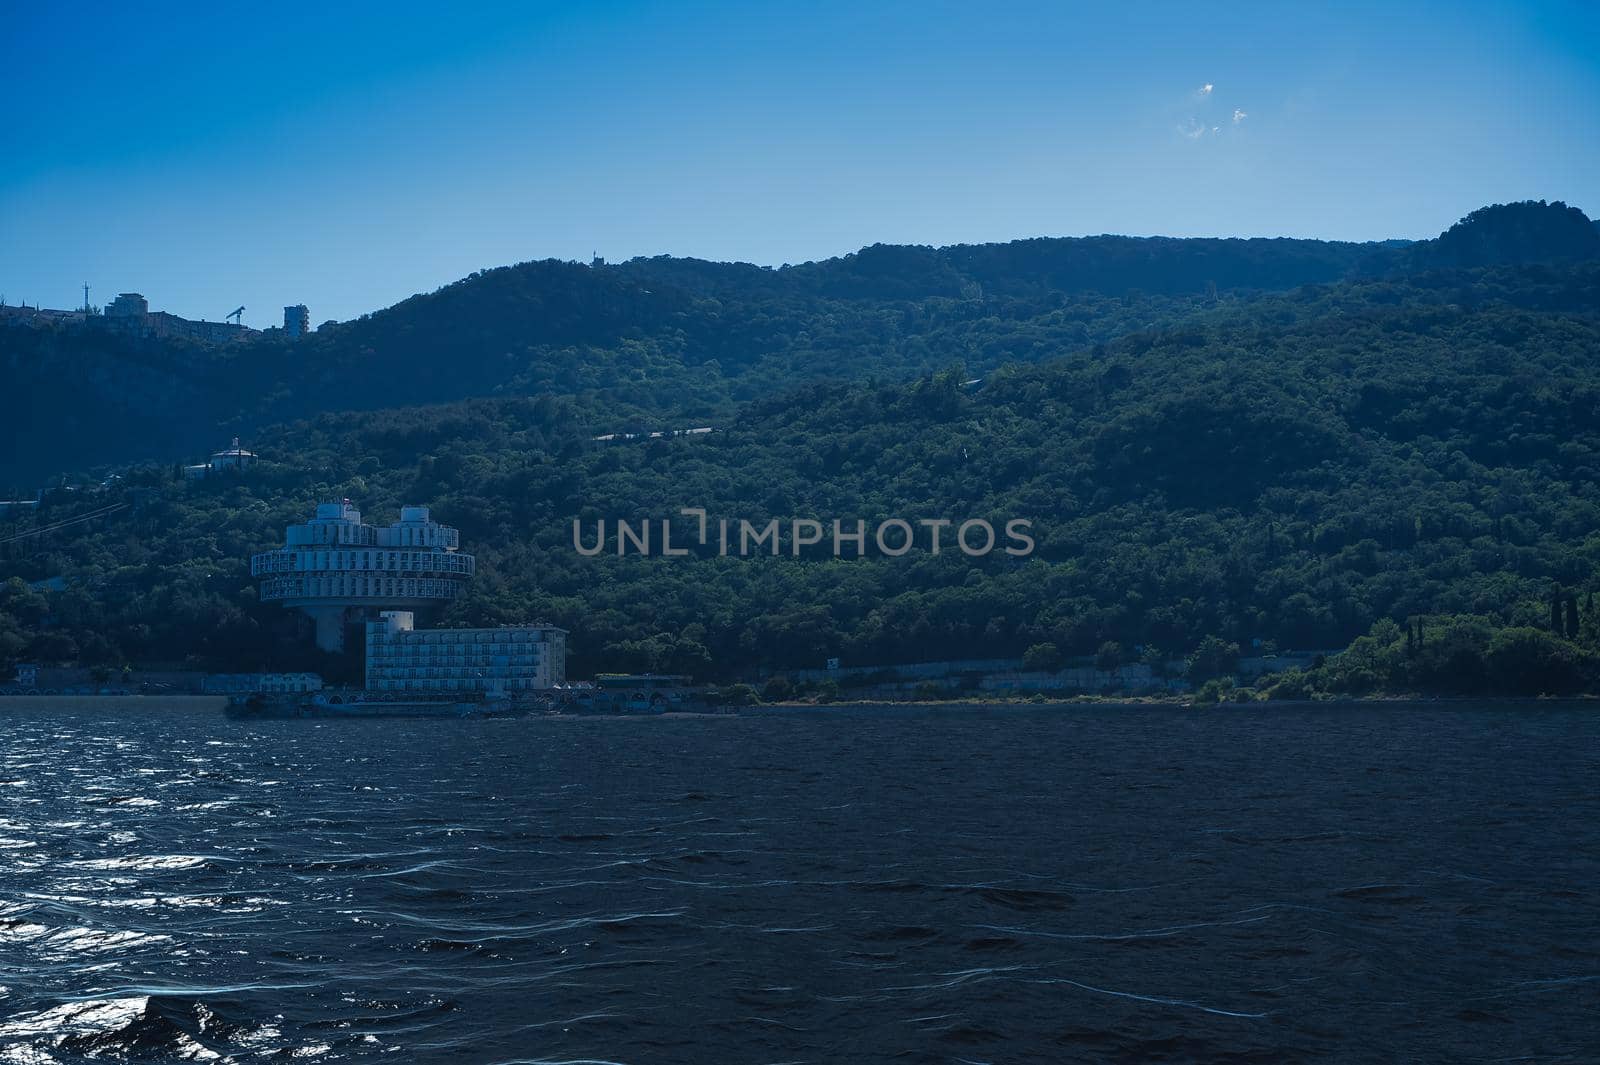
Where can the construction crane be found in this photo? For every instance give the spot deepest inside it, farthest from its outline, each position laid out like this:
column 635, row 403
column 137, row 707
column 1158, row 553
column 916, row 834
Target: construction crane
column 234, row 314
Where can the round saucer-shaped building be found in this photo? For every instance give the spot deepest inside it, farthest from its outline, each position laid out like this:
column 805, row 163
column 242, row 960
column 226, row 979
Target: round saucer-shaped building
column 340, row 570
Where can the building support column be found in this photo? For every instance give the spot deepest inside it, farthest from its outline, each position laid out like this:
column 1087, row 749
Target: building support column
column 330, row 626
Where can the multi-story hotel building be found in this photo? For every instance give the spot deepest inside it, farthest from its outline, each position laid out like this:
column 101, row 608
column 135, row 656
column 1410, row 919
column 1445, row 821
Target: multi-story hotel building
column 339, row 570
column 296, row 320
column 505, row 660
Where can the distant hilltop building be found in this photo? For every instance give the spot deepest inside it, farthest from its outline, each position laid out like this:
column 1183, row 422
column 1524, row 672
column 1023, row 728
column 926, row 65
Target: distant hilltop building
column 128, row 305
column 339, row 570
column 499, row 661
column 296, row 320
column 234, row 459
column 130, row 315
column 41, row 317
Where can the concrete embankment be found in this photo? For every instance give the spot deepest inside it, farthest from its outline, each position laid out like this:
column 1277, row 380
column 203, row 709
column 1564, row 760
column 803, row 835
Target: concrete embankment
column 112, row 702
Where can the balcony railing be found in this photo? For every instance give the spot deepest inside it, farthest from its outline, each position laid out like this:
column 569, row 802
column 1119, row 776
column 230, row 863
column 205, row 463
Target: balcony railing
column 343, row 587
column 365, row 561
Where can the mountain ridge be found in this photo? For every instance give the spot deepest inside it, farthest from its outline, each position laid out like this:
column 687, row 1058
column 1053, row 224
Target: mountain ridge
column 681, row 340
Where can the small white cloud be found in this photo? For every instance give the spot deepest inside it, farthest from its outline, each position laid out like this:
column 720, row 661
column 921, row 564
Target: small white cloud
column 1238, row 116
column 1193, row 130
column 1205, row 90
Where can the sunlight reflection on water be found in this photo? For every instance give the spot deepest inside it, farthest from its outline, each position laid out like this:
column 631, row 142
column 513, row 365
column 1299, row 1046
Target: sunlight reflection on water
column 1020, row 885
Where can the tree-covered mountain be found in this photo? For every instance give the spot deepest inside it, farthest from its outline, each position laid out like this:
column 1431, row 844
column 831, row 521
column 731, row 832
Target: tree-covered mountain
column 655, row 341
column 674, row 341
column 1506, row 233
column 1297, row 468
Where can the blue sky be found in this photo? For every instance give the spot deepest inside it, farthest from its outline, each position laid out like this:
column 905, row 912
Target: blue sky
column 349, row 155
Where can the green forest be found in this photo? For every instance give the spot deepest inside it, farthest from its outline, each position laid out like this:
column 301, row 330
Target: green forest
column 1393, row 449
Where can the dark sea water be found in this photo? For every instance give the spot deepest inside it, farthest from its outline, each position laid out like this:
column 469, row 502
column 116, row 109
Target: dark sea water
column 1372, row 884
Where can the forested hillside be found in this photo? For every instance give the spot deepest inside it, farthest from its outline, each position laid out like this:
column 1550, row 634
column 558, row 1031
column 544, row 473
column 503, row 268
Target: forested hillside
column 1299, row 468
column 650, row 342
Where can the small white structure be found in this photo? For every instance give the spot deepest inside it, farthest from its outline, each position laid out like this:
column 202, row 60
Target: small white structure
column 233, row 459
column 505, row 660
column 233, row 683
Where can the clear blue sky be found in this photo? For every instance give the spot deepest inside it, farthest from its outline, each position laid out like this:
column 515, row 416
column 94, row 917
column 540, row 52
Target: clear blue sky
column 347, row 156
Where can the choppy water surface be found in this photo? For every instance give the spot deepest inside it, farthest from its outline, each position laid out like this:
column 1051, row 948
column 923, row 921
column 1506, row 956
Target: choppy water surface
column 1404, row 884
